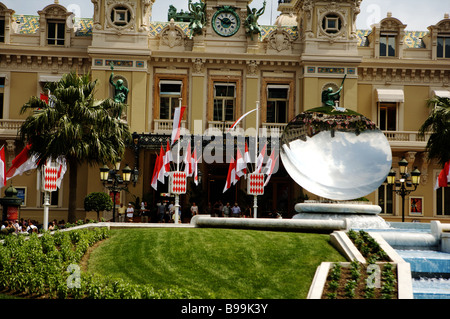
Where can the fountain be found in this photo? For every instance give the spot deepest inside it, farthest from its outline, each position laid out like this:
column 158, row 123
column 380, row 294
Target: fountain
column 339, row 155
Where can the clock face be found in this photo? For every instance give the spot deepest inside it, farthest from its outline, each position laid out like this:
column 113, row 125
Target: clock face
column 225, row 23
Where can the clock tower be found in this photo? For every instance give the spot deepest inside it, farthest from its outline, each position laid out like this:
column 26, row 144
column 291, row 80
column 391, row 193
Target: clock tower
column 224, row 26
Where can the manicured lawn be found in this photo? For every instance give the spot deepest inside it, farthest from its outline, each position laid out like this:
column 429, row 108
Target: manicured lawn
column 216, row 263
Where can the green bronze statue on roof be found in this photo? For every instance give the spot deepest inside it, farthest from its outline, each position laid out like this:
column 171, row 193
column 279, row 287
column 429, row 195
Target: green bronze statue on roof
column 198, row 12
column 251, row 22
column 120, row 90
column 329, row 98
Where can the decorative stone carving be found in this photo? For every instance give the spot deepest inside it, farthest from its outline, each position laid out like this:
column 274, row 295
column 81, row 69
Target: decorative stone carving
column 128, row 24
column 252, row 68
column 146, row 7
column 198, row 66
column 335, row 10
column 172, row 36
column 279, row 40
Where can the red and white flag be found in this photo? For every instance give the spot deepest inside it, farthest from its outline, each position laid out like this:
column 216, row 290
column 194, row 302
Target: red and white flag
column 2, row 166
column 162, row 168
column 177, row 117
column 241, row 165
column 22, row 163
column 247, row 158
column 270, row 166
column 62, row 163
column 231, row 176
column 167, row 159
column 188, row 161
column 260, row 159
column 444, row 176
column 155, row 173
column 195, row 166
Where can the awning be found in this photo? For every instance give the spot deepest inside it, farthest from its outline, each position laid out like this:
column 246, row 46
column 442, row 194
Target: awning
column 442, row 93
column 389, row 95
column 49, row 78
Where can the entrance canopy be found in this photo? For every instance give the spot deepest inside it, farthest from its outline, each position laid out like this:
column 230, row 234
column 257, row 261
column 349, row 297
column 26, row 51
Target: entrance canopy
column 390, row 95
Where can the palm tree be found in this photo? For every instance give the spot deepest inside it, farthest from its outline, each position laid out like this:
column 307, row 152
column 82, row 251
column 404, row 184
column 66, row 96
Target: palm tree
column 438, row 124
column 76, row 126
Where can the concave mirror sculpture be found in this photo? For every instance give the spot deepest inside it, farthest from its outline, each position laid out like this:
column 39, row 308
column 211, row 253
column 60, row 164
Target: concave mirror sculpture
column 335, row 153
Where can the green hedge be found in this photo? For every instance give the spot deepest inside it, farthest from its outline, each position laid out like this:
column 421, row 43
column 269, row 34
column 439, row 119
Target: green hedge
column 44, row 267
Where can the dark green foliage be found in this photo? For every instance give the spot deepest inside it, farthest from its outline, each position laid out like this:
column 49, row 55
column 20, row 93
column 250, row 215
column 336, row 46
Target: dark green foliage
column 98, row 201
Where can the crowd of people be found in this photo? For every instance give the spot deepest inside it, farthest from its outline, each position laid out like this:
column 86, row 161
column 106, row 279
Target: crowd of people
column 164, row 211
column 28, row 226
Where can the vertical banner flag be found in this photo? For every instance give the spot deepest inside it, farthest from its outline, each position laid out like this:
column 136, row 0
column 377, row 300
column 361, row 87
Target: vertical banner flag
column 231, row 176
column 177, row 117
column 195, row 166
column 188, row 160
column 161, row 167
column 260, row 159
column 2, row 166
column 168, row 159
column 155, row 174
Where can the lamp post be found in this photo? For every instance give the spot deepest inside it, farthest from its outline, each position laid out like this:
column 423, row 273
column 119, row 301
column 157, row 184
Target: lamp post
column 114, row 182
column 403, row 186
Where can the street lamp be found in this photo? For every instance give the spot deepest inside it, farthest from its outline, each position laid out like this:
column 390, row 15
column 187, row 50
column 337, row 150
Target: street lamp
column 405, row 187
column 115, row 183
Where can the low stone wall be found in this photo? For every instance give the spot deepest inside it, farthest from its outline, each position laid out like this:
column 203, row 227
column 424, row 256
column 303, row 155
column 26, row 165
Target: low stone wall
column 316, row 226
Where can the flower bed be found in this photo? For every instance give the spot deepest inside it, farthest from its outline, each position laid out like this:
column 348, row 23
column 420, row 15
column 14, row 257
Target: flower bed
column 358, row 281
column 375, row 280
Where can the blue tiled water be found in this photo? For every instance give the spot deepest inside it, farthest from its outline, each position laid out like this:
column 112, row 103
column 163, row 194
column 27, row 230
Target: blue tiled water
column 431, row 288
column 430, row 268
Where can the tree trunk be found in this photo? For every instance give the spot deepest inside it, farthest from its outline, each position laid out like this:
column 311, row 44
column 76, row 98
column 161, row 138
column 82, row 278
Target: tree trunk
column 73, row 176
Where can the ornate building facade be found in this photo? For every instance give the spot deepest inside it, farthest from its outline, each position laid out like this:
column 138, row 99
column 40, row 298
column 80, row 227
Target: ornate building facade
column 220, row 68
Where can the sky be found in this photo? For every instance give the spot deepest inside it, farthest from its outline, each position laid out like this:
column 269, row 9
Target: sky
column 417, row 14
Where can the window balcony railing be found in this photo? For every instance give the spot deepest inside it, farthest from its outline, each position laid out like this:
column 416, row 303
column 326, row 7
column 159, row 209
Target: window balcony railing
column 9, row 128
column 165, row 126
column 219, row 127
column 274, row 129
column 409, row 139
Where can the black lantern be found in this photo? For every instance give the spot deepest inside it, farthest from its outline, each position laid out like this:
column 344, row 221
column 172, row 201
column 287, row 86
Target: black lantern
column 115, row 183
column 403, row 186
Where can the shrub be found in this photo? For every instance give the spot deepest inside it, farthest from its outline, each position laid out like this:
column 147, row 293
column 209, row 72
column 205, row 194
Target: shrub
column 39, row 267
column 98, row 201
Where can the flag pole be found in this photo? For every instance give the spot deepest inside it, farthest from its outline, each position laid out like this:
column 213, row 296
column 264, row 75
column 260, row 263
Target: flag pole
column 255, row 197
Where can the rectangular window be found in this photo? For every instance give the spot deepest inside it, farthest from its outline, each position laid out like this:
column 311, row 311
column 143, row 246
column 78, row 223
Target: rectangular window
column 443, row 47
column 443, row 201
column 387, row 116
column 386, row 199
column 169, row 94
column 2, row 29
column 277, row 103
column 224, row 101
column 387, row 45
column 55, row 33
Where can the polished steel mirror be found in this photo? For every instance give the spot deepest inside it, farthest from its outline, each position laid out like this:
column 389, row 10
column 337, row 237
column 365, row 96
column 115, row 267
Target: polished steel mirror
column 336, row 155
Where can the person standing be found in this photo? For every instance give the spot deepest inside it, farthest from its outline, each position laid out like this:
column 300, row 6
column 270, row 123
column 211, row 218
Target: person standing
column 130, row 212
column 236, row 210
column 122, row 210
column 226, row 210
column 194, row 209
